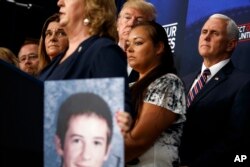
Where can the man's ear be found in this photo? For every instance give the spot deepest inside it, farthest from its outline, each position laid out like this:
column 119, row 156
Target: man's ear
column 231, row 45
column 58, row 145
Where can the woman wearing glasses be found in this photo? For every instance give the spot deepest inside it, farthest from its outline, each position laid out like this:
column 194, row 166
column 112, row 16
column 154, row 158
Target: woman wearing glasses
column 53, row 41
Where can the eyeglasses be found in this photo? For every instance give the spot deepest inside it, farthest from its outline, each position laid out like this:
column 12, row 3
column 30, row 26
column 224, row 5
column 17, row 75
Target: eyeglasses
column 31, row 57
column 57, row 34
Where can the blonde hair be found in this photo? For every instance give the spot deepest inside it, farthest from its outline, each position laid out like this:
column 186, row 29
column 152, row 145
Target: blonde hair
column 8, row 56
column 102, row 16
column 146, row 8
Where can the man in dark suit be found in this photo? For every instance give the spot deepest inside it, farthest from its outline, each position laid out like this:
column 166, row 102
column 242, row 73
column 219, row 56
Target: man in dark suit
column 217, row 126
column 133, row 12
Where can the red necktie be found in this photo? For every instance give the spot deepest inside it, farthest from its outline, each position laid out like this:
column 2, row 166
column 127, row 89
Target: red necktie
column 198, row 86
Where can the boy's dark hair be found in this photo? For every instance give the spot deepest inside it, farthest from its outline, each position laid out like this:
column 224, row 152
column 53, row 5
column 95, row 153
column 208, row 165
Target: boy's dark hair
column 83, row 104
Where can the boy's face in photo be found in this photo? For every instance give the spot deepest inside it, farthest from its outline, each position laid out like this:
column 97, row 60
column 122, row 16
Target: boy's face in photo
column 85, row 142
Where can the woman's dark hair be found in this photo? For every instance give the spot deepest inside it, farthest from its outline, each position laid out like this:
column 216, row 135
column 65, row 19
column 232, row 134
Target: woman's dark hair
column 158, row 35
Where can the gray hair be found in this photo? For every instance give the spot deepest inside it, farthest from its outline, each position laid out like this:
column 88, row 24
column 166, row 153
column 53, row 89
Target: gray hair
column 232, row 28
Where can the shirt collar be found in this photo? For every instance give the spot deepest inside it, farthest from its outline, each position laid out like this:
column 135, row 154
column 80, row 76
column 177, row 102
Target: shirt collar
column 214, row 68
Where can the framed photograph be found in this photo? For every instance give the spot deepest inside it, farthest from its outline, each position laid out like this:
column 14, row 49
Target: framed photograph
column 79, row 123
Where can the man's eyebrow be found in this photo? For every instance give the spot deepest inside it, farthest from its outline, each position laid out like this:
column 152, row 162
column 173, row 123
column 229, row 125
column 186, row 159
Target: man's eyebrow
column 127, row 13
column 99, row 138
column 32, row 54
column 76, row 135
column 22, row 56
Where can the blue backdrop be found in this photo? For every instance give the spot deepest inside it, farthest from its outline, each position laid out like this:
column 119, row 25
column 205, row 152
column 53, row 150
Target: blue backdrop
column 183, row 20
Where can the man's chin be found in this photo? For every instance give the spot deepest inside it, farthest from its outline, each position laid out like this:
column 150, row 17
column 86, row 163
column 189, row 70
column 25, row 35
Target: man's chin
column 31, row 72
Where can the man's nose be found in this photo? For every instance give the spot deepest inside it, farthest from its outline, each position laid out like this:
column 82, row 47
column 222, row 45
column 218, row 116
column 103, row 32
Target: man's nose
column 85, row 152
column 207, row 36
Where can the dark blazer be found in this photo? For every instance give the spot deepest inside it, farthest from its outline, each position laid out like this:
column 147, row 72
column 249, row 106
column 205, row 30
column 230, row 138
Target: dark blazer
column 217, row 125
column 96, row 57
column 133, row 76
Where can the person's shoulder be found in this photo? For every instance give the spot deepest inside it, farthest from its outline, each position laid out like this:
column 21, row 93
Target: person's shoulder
column 240, row 75
column 190, row 74
column 105, row 41
column 106, row 46
column 103, row 44
column 169, row 77
column 165, row 81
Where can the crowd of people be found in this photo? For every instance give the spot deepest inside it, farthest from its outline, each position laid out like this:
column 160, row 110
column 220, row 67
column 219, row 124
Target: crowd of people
column 199, row 120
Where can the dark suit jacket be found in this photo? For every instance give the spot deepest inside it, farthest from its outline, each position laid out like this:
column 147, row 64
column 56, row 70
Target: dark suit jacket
column 133, row 76
column 96, row 57
column 217, row 125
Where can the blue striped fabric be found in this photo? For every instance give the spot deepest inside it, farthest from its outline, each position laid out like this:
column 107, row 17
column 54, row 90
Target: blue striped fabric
column 198, row 86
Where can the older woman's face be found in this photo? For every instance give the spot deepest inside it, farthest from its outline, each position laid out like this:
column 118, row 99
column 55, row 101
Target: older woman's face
column 71, row 12
column 56, row 39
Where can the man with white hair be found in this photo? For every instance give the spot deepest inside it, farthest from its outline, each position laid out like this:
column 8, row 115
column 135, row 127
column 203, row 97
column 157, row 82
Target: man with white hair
column 218, row 110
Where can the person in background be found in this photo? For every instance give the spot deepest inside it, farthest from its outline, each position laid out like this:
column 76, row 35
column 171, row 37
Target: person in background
column 28, row 56
column 132, row 12
column 53, row 41
column 93, row 51
column 158, row 98
column 84, row 130
column 8, row 56
column 217, row 126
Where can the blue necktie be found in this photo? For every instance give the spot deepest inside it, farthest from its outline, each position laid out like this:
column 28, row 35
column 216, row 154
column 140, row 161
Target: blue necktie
column 198, row 86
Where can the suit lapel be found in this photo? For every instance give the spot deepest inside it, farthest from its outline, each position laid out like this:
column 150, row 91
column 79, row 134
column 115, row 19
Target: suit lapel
column 189, row 81
column 217, row 79
column 78, row 54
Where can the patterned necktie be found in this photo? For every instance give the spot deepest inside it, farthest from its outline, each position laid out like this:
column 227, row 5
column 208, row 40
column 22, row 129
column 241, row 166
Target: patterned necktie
column 198, row 86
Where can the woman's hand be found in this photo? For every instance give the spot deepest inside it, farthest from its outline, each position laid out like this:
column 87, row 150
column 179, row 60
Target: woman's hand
column 124, row 121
